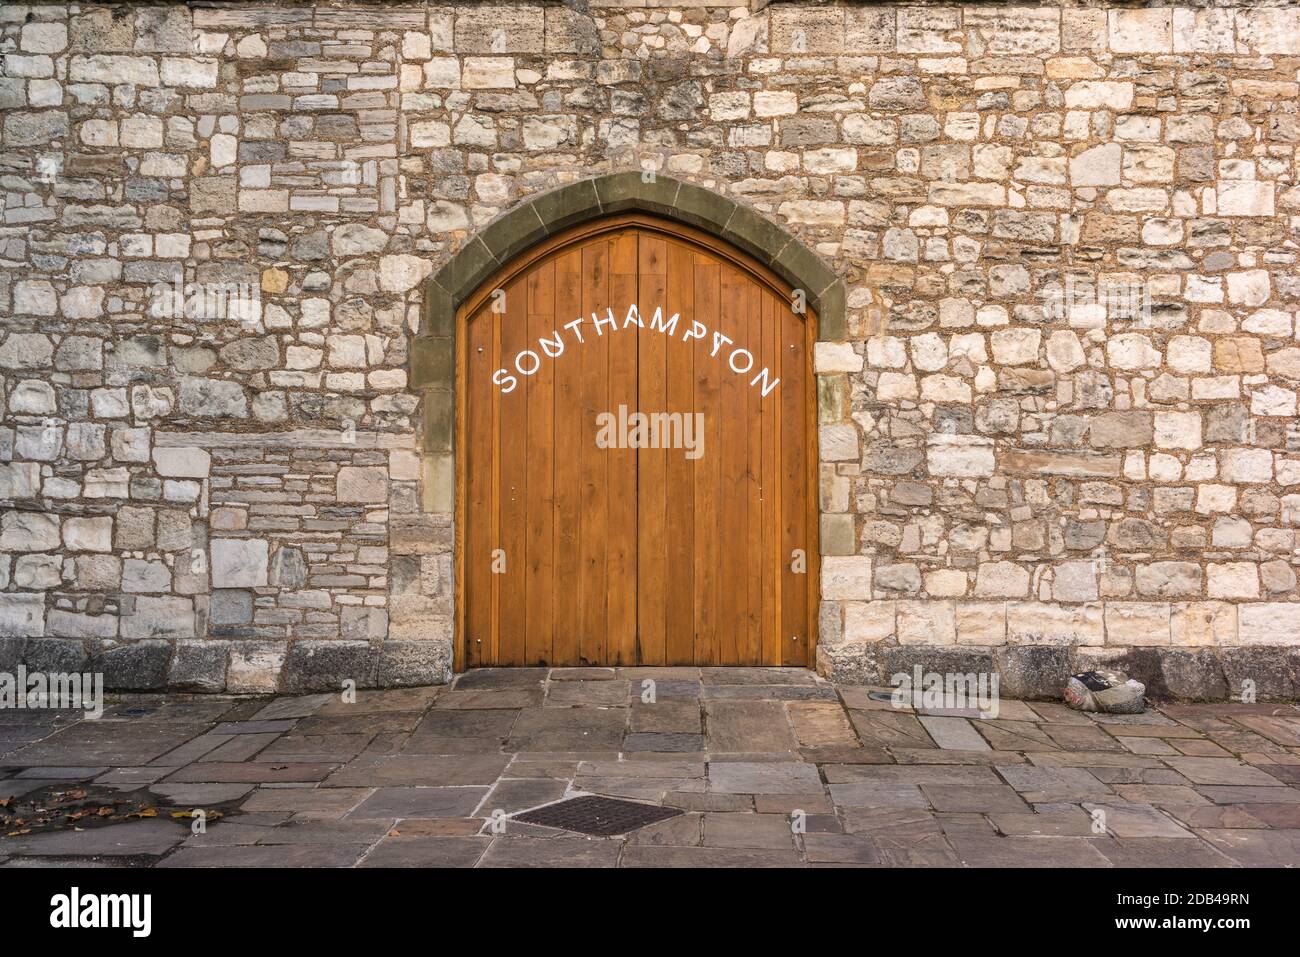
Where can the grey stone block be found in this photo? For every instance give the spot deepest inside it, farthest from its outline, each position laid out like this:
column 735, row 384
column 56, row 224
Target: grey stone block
column 467, row 269
column 199, row 666
column 22, row 616
column 511, row 234
column 54, row 655
column 561, row 208
column 288, row 568
column 838, row 536
column 895, row 659
column 363, row 623
column 853, row 664
column 325, row 665
column 1032, row 671
column 231, row 606
column 142, row 666
column 11, row 653
column 1271, row 670
column 1193, row 675
column 407, row 663
column 239, row 562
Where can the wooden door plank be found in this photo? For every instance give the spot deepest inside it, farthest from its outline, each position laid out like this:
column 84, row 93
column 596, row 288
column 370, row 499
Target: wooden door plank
column 707, row 467
column 479, row 499
column 652, row 463
column 569, row 442
column 733, row 500
column 622, row 521
column 755, row 557
column 540, row 512
column 773, row 559
column 592, row 590
column 679, row 525
column 513, row 489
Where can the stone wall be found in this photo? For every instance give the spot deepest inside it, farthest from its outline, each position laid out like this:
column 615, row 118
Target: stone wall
column 1060, row 431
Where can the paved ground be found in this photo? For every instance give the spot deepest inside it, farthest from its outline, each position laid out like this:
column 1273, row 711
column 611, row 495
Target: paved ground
column 430, row 776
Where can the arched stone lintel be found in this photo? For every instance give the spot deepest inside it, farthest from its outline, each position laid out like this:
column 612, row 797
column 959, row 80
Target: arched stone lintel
column 433, row 351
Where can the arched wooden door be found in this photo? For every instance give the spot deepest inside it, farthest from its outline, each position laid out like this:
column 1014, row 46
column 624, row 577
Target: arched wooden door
column 636, row 456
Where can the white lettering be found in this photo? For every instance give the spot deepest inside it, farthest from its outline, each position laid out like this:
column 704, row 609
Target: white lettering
column 657, row 322
column 731, row 361
column 697, row 330
column 557, row 342
column 740, row 360
column 504, row 379
column 75, row 910
column 762, row 377
column 519, row 359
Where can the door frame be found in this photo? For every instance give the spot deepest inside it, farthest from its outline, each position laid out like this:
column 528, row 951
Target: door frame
column 553, row 245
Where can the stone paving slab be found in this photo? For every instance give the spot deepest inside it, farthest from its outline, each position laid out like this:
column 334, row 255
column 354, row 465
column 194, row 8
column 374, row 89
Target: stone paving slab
column 152, row 836
column 304, row 855
column 390, row 803
column 551, row 852
column 418, row 769
column 426, row 852
column 771, row 767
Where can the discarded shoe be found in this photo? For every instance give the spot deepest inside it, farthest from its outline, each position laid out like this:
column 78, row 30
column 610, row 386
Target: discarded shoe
column 1106, row 691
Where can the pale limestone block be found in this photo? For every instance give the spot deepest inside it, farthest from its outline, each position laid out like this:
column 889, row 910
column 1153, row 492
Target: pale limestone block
column 869, row 621
column 1044, row 623
column 1141, row 31
column 1232, row 580
column 981, row 623
column 1203, row 624
column 1268, row 623
column 1137, row 623
column 832, row 357
column 926, row 623
column 960, row 456
column 946, row 583
column 846, row 577
column 838, row 443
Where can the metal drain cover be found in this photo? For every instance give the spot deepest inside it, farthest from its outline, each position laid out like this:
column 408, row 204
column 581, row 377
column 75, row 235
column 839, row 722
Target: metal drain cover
column 600, row 816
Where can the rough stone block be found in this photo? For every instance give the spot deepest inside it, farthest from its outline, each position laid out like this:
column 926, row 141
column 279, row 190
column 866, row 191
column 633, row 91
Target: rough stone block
column 141, row 666
column 409, row 663
column 326, row 665
column 199, row 666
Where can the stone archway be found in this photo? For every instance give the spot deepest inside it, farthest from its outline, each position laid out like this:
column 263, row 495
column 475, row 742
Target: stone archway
column 434, row 356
